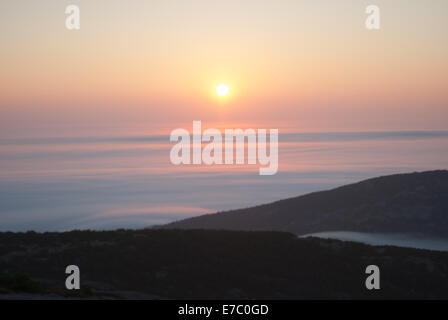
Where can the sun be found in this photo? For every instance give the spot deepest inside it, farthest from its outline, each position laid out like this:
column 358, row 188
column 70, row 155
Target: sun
column 222, row 90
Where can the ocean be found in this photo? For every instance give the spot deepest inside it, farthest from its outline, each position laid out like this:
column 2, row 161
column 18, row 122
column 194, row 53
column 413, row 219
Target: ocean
column 127, row 180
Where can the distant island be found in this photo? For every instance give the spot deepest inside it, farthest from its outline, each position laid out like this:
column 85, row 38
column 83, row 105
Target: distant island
column 415, row 203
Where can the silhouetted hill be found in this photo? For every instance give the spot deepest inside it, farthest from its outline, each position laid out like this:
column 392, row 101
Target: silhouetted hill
column 212, row 264
column 404, row 203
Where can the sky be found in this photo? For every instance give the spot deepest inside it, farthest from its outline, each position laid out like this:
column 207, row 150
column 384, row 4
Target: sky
column 311, row 65
column 85, row 115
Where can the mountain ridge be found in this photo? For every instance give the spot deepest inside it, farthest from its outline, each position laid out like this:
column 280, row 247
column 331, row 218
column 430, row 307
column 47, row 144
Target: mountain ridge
column 401, row 203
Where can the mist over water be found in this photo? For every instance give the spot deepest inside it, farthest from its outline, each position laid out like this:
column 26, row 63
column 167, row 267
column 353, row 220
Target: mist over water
column 127, row 180
column 384, row 239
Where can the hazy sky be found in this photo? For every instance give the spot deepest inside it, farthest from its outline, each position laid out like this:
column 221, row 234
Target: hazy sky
column 312, row 64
